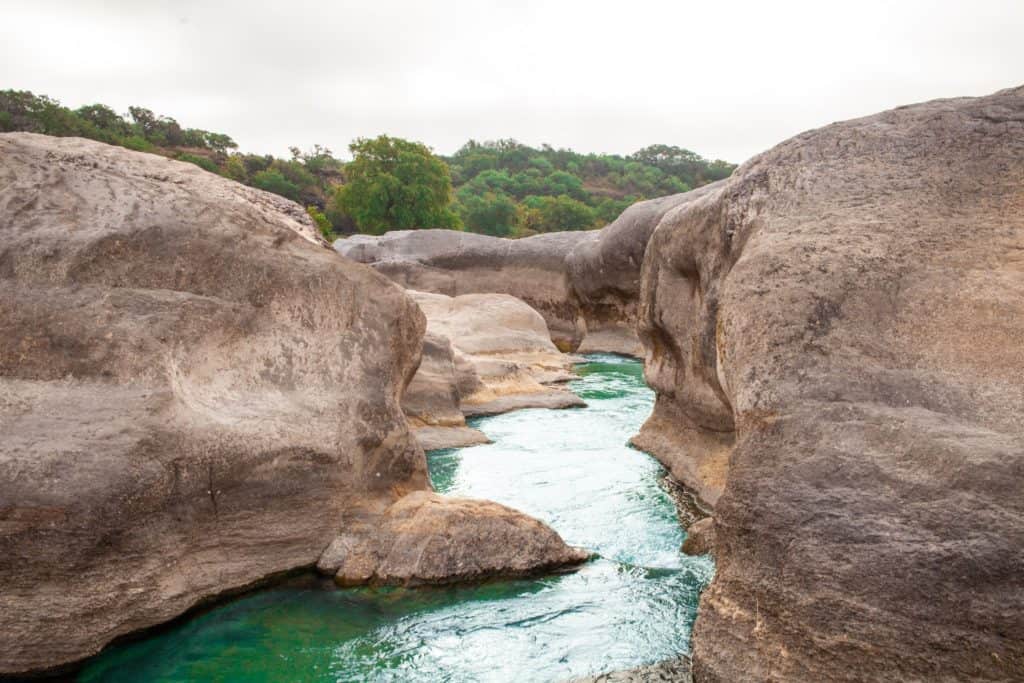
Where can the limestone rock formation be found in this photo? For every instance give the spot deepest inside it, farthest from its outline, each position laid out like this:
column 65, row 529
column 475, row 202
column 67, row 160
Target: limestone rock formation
column 835, row 338
column 700, row 537
column 196, row 394
column 454, row 263
column 425, row 538
column 433, row 399
column 184, row 411
column 604, row 270
column 484, row 354
column 584, row 284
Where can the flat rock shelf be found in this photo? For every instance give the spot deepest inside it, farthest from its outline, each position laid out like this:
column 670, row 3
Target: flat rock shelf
column 631, row 606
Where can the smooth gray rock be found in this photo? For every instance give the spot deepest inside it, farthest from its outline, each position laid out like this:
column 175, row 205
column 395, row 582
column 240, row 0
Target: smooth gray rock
column 835, row 338
column 585, row 284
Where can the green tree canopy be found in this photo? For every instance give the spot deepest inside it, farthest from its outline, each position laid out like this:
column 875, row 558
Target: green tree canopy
column 395, row 184
column 490, row 213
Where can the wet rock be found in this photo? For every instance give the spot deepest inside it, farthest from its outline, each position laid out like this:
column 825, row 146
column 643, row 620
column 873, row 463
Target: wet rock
column 184, row 410
column 834, row 336
column 700, row 537
column 426, row 538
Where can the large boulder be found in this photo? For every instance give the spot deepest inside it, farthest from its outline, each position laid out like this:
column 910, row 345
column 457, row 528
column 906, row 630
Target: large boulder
column 585, row 284
column 425, row 538
column 835, row 338
column 196, row 394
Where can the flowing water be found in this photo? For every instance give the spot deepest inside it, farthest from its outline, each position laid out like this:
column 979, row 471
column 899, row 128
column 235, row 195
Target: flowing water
column 633, row 605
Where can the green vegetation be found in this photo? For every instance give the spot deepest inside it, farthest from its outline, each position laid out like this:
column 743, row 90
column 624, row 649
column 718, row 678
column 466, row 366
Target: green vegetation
column 501, row 188
column 394, row 184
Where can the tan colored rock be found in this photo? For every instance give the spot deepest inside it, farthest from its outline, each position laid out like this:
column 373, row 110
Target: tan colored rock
column 183, row 411
column 425, row 538
column 454, row 263
column 432, row 400
column 585, row 284
column 196, row 394
column 700, row 537
column 835, row 337
column 503, row 356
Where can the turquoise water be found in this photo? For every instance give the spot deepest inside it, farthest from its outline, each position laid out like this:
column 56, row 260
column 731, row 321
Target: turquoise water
column 633, row 605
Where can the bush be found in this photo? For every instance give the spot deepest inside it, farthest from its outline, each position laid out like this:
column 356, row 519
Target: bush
column 322, row 223
column 272, row 180
column 201, row 162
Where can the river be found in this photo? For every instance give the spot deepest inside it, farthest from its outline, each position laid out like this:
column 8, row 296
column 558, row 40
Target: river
column 633, row 605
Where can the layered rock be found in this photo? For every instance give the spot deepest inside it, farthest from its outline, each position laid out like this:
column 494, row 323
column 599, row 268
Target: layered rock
column 425, row 538
column 834, row 336
column 584, row 284
column 433, row 400
column 604, row 270
column 455, row 263
column 195, row 395
column 486, row 354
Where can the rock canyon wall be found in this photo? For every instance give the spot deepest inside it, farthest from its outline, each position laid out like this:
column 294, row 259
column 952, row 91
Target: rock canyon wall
column 196, row 394
column 836, row 338
column 585, row 284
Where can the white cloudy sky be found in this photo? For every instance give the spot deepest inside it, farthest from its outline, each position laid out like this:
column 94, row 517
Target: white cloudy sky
column 726, row 79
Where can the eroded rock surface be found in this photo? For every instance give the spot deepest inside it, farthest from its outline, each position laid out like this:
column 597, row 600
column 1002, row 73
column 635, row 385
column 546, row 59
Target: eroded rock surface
column 195, row 395
column 433, row 399
column 425, row 538
column 584, row 284
column 835, row 337
column 454, row 263
column 484, row 354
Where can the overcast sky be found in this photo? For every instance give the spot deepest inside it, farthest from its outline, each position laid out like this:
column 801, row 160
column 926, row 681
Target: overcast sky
column 725, row 79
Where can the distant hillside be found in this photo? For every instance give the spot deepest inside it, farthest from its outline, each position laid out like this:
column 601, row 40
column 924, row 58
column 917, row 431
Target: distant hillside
column 500, row 188
column 505, row 187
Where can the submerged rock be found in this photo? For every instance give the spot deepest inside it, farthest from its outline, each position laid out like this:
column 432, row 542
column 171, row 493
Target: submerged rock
column 671, row 671
column 834, row 335
column 426, row 538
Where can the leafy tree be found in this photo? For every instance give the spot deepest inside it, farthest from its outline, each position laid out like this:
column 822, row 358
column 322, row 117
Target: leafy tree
column 561, row 213
column 104, row 118
column 395, row 184
column 272, row 180
column 234, row 168
column 492, row 213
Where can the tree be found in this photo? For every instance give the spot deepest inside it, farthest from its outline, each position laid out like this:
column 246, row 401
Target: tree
column 395, row 184
column 561, row 213
column 492, row 213
column 272, row 180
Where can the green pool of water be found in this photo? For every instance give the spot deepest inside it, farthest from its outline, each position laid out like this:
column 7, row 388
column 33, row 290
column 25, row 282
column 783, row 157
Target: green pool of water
column 571, row 468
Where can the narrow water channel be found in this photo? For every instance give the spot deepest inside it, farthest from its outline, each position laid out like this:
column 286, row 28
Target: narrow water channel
column 633, row 605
